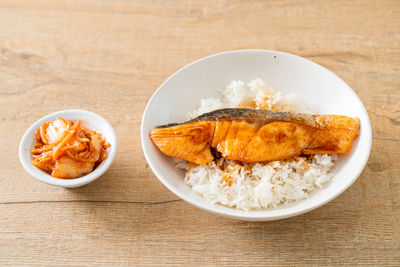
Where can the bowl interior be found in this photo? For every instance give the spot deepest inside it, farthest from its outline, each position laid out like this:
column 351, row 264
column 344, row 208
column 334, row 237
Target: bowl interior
column 319, row 89
column 89, row 120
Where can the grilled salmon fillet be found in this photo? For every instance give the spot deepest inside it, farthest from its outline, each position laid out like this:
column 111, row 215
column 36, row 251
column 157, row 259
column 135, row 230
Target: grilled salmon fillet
column 249, row 135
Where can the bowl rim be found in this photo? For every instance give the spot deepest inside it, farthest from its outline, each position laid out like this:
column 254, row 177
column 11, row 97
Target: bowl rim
column 259, row 215
column 48, row 179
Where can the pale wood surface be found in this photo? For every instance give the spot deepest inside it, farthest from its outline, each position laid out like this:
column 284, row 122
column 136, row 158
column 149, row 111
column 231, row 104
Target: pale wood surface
column 110, row 56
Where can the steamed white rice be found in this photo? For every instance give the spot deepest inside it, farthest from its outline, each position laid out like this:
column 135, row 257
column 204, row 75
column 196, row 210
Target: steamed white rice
column 261, row 185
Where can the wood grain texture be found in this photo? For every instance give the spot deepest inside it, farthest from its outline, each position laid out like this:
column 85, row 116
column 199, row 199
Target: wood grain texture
column 110, row 56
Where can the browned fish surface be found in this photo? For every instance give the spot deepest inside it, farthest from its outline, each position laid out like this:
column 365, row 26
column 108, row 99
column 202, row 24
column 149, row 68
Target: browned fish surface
column 249, row 135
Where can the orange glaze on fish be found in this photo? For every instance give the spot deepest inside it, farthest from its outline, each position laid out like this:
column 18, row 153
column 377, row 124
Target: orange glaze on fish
column 250, row 135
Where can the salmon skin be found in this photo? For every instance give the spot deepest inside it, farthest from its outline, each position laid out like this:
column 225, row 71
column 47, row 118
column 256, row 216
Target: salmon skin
column 250, row 135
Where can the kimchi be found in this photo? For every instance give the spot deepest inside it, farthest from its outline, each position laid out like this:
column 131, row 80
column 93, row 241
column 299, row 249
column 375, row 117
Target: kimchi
column 65, row 149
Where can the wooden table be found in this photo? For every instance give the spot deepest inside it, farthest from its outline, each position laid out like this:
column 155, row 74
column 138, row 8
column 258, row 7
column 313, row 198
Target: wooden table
column 110, row 56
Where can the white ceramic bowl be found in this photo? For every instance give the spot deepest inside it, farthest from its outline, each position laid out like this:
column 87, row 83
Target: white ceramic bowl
column 89, row 120
column 319, row 89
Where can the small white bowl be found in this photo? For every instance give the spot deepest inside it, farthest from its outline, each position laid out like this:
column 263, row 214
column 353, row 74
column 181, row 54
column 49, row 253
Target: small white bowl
column 89, row 120
column 319, row 89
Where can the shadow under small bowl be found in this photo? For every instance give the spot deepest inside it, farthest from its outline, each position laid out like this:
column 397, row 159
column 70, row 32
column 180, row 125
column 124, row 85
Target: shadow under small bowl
column 90, row 121
column 317, row 88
